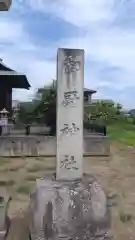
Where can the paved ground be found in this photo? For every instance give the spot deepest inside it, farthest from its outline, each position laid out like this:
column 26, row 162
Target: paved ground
column 116, row 174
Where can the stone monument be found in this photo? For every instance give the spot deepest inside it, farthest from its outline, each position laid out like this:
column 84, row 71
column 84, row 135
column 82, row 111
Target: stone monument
column 70, row 204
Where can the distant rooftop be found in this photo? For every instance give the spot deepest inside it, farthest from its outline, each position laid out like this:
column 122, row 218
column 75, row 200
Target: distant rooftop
column 16, row 80
column 104, row 100
column 89, row 90
column 40, row 90
column 3, row 67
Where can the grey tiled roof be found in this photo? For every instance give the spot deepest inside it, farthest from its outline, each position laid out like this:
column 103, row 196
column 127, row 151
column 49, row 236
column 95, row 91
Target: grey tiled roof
column 40, row 90
column 89, row 90
column 15, row 79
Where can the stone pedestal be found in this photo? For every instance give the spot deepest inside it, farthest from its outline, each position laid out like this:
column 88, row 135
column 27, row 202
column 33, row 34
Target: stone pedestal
column 74, row 210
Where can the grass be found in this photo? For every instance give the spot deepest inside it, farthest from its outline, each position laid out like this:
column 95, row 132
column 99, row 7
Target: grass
column 116, row 177
column 122, row 132
column 24, row 189
column 39, row 167
column 9, row 168
column 4, row 183
column 14, row 168
column 31, row 178
column 125, row 217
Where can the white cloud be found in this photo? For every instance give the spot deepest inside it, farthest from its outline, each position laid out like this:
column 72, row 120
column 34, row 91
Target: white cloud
column 101, row 41
column 114, row 45
column 77, row 12
column 10, row 32
column 19, row 53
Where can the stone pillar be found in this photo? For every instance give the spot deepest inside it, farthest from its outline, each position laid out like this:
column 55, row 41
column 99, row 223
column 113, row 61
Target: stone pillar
column 70, row 205
column 70, row 81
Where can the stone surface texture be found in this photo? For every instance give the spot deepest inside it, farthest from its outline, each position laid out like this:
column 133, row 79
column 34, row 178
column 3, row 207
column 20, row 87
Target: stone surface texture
column 74, row 210
column 70, row 85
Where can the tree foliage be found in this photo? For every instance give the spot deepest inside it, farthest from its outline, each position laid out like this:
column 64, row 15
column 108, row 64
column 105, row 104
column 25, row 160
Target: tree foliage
column 46, row 109
column 103, row 112
column 43, row 110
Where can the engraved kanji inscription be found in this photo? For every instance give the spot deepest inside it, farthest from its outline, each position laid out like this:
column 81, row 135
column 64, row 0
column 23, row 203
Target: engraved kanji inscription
column 70, row 98
column 68, row 162
column 69, row 130
column 70, row 66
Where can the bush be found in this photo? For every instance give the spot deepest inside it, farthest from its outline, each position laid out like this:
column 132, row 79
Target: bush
column 95, row 127
column 24, row 189
column 133, row 120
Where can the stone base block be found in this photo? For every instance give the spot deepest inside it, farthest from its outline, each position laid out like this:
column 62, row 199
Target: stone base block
column 34, row 146
column 74, row 210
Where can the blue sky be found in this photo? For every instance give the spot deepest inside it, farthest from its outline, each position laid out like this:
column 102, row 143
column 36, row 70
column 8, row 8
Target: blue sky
column 32, row 31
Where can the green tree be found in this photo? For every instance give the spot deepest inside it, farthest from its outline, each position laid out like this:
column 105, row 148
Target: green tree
column 43, row 110
column 46, row 108
column 103, row 112
column 118, row 108
column 23, row 116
